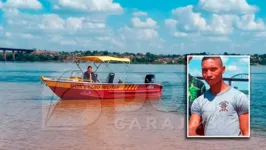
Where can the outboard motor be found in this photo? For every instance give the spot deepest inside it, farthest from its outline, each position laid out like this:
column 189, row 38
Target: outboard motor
column 150, row 78
column 110, row 78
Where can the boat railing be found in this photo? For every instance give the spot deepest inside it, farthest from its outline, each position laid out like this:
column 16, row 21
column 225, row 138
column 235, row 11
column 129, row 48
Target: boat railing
column 230, row 80
column 241, row 77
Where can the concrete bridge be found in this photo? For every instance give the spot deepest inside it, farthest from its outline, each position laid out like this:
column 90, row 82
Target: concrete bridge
column 14, row 50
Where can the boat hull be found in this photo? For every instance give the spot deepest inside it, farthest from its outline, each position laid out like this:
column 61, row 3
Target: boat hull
column 83, row 90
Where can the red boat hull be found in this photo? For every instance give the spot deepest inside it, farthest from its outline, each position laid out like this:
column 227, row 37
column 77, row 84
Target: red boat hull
column 83, row 90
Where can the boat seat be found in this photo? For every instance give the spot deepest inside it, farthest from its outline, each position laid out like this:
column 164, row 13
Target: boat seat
column 110, row 78
column 94, row 78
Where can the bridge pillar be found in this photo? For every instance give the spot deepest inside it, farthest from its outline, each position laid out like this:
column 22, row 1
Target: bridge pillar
column 4, row 55
column 14, row 55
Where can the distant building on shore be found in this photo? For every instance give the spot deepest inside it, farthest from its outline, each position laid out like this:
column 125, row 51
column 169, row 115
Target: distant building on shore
column 38, row 52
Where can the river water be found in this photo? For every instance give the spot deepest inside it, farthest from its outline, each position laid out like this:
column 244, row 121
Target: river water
column 32, row 117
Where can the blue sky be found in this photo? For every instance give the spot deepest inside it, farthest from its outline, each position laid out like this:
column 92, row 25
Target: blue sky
column 234, row 65
column 161, row 27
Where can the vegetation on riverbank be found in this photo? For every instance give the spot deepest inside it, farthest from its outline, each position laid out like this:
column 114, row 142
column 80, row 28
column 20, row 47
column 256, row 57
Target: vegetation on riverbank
column 136, row 58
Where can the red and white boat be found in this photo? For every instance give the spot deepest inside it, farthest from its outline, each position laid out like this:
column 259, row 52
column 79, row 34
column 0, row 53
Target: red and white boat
column 75, row 87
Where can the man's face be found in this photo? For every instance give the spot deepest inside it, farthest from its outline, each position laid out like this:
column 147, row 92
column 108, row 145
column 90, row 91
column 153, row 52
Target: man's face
column 89, row 69
column 212, row 71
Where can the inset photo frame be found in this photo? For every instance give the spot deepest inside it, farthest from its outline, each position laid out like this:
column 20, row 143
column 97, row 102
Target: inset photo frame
column 218, row 96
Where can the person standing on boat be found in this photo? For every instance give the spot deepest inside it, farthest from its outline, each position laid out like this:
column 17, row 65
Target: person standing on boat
column 222, row 109
column 90, row 75
column 195, row 89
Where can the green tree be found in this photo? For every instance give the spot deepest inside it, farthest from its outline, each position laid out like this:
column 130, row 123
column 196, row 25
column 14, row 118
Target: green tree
column 105, row 53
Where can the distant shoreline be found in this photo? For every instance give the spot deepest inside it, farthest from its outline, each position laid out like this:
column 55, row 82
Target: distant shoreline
column 136, row 58
column 110, row 63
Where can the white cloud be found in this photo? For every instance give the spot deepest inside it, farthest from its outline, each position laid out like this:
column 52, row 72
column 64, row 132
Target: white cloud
column 81, row 30
column 103, row 38
column 220, row 25
column 245, row 60
column 56, row 38
column 224, row 59
column 248, row 22
column 261, row 34
column 28, row 4
column 7, row 43
column 48, row 23
column 195, row 72
column 218, row 38
column 95, row 25
column 232, row 68
column 170, row 24
column 73, row 4
column 92, row 5
column 75, row 23
column 139, row 40
column 143, row 30
column 140, row 13
column 149, row 23
column 142, row 36
column 51, row 22
column 16, row 20
column 180, row 34
column 50, row 31
column 72, row 33
column 197, row 58
column 138, row 33
column 56, row 7
column 191, row 22
column 227, row 6
column 83, row 23
column 11, row 12
column 8, row 34
column 68, row 42
column 188, row 20
column 27, row 36
column 147, row 34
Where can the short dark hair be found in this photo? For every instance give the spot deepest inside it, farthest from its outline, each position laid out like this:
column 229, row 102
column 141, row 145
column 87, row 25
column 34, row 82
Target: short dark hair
column 89, row 67
column 215, row 57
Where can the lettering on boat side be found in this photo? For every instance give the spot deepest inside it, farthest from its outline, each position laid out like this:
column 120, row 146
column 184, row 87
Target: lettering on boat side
column 110, row 87
column 95, row 87
column 83, row 86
